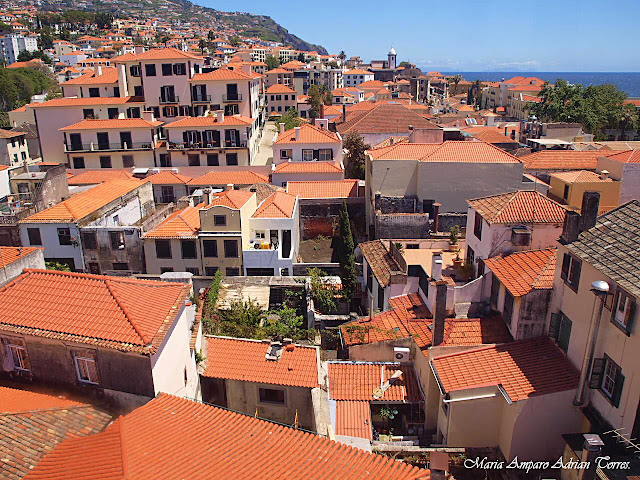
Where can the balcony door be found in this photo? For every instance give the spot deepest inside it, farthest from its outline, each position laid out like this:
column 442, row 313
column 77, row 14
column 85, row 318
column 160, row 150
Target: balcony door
column 125, row 140
column 232, row 91
column 103, row 140
column 76, row 141
column 199, row 93
column 167, row 93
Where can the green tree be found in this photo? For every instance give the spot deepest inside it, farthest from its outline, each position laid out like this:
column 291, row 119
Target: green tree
column 103, row 20
column 342, row 56
column 4, row 28
column 18, row 85
column 65, row 34
column 25, row 56
column 202, row 44
column 300, row 57
column 45, row 41
column 290, row 119
column 234, row 41
column 211, row 35
column 322, row 292
column 61, row 267
column 355, row 157
column 76, row 17
column 346, row 255
column 318, row 95
column 272, row 62
column 332, row 64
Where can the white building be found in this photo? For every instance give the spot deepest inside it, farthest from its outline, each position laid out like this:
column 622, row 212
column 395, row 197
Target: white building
column 13, row 44
column 357, row 76
column 307, row 143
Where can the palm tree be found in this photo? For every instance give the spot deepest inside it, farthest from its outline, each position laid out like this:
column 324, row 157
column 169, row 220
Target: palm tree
column 342, row 56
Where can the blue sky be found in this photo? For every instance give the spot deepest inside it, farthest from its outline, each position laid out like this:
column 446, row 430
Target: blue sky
column 467, row 35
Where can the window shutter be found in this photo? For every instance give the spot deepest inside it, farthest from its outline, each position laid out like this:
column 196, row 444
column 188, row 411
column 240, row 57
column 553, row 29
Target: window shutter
column 185, row 137
column 565, row 333
column 566, row 260
column 617, row 389
column 554, row 326
column 576, row 273
column 316, row 154
column 596, row 373
column 216, row 137
column 631, row 313
column 614, row 307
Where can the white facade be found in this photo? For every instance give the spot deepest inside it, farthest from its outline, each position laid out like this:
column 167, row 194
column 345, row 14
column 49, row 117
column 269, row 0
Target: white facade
column 13, row 44
column 14, row 151
column 357, row 77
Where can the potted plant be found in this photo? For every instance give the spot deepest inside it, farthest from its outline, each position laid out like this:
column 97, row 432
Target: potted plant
column 457, row 262
column 454, row 236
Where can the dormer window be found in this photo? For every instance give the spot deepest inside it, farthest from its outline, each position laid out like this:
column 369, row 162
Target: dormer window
column 623, row 312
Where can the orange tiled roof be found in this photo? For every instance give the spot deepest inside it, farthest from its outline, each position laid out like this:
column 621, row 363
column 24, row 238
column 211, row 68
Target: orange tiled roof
column 32, row 423
column 447, row 152
column 580, row 176
column 523, row 272
column 11, row 254
column 629, row 156
column 357, row 380
column 276, row 205
column 308, row 134
column 382, row 118
column 209, row 121
column 171, row 429
column 241, row 359
column 308, row 167
column 112, row 123
column 109, row 75
column 112, row 312
column 489, row 134
column 358, row 71
column 183, row 223
column 379, row 260
column 167, row 177
column 324, row 189
column 353, row 418
column 279, row 88
column 523, row 368
column 231, row 198
column 523, row 206
column 235, row 177
column 76, row 101
column 562, row 160
column 157, row 54
column 85, row 203
column 92, row 177
column 224, row 74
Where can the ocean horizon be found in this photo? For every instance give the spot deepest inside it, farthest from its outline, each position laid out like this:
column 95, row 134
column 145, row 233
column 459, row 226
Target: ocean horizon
column 628, row 82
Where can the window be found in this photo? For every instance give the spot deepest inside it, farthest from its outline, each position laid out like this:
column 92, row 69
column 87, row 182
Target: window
column 607, row 376
column 412, row 246
column 78, row 162
column 231, row 248
column 623, row 311
column 272, row 395
column 90, row 241
column 571, row 271
column 34, row 236
column 477, row 226
column 232, row 159
column 565, row 194
column 167, row 69
column 170, row 111
column 64, row 236
column 87, row 113
column 188, row 248
column 179, row 69
column 116, row 91
column 113, row 113
column 120, row 266
column 86, row 368
column 165, row 160
column 194, row 160
column 127, row 161
column 193, row 271
column 210, row 271
column 166, row 269
column 105, row 162
column 285, row 153
column 117, row 240
column 137, row 92
column 325, row 154
column 212, row 160
column 260, row 235
column 210, row 248
column 560, row 330
column 232, row 272
column 94, row 92
column 150, row 69
column 163, row 249
column 134, row 70
column 220, row 220
column 14, row 349
column 307, row 155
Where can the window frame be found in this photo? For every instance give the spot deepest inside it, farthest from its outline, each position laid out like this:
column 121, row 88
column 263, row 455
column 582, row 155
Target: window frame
column 628, row 312
column 12, row 348
column 167, row 67
column 86, row 360
column 184, row 242
column 61, row 236
column 279, row 391
column 219, row 220
column 327, row 153
column 235, row 244
column 206, row 249
column 571, row 265
column 91, row 244
column 150, row 67
column 168, row 242
column 31, row 230
column 477, row 226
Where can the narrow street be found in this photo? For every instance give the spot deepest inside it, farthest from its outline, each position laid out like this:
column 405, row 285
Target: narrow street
column 265, row 151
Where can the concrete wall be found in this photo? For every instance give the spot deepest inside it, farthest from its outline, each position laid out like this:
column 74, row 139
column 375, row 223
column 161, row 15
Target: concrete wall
column 132, row 253
column 296, row 150
column 402, row 225
column 281, row 179
column 12, row 270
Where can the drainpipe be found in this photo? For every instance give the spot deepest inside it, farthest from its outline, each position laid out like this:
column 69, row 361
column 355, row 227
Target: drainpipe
column 600, row 289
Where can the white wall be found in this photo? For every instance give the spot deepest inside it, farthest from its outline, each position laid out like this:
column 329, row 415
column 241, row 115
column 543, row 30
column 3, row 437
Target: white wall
column 296, row 150
column 51, row 243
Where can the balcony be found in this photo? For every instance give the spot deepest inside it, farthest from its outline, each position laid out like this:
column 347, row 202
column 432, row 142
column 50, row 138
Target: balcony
column 201, row 99
column 232, row 97
column 168, row 99
column 205, row 145
column 105, row 147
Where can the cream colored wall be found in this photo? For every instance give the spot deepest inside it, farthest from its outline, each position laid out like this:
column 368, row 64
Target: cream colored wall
column 473, row 423
column 207, row 219
column 176, row 261
column 609, row 194
column 141, row 158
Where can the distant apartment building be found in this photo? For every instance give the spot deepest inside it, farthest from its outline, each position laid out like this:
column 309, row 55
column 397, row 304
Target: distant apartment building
column 13, row 44
column 307, row 143
column 279, row 99
column 14, row 150
column 356, row 76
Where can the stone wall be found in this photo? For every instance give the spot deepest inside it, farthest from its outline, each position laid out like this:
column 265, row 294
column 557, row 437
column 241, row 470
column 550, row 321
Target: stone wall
column 448, row 220
column 398, row 225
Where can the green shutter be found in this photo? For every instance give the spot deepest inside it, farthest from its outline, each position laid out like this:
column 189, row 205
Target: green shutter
column 554, row 326
column 565, row 333
column 597, row 370
column 631, row 313
column 576, row 273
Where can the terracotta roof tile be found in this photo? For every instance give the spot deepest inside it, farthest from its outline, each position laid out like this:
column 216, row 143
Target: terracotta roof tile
column 562, row 160
column 209, row 121
column 226, row 177
column 447, row 152
column 75, row 101
column 277, row 205
column 93, row 177
column 158, row 440
column 324, row 189
column 523, row 368
column 31, row 424
column 85, row 203
column 240, row 359
column 224, row 74
column 353, row 418
column 308, row 167
column 379, row 260
column 383, row 118
column 167, row 177
column 580, row 176
column 357, row 380
column 523, row 272
column 124, row 313
column 523, row 206
column 231, row 198
column 114, row 123
column 11, row 254
column 279, row 88
column 308, row 134
column 630, row 156
column 109, row 75
column 183, row 223
column 157, row 54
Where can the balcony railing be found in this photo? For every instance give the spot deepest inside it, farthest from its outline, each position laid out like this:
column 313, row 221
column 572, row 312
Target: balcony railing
column 231, row 97
column 167, row 199
column 205, row 145
column 101, row 147
column 201, row 98
column 165, row 99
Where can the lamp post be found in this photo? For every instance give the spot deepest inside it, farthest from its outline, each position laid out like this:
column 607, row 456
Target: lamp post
column 600, row 289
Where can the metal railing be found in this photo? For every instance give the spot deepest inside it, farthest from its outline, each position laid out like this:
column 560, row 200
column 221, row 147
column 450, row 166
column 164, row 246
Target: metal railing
column 201, row 98
column 91, row 147
column 163, row 99
column 231, row 97
column 205, row 145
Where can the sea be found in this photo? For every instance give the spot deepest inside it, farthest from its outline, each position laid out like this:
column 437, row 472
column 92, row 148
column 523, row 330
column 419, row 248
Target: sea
column 627, row 82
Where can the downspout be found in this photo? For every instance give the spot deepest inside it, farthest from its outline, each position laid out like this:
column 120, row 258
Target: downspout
column 600, row 289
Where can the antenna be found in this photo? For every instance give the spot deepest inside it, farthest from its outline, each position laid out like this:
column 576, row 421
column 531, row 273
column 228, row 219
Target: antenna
column 622, row 438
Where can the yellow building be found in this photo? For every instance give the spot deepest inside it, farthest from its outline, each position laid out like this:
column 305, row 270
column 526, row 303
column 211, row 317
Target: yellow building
column 569, row 187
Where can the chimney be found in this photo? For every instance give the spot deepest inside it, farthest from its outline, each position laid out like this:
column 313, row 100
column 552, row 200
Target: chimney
column 97, row 69
column 571, row 227
column 410, row 128
column 604, row 174
column 228, row 187
column 440, row 313
column 344, row 112
column 148, row 115
column 591, row 450
column 436, row 266
column 506, row 132
column 220, row 116
column 436, row 216
column 321, row 111
column 297, row 130
column 207, row 195
column 281, row 128
column 589, row 211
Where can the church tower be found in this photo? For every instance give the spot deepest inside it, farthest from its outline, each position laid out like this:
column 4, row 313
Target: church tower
column 391, row 56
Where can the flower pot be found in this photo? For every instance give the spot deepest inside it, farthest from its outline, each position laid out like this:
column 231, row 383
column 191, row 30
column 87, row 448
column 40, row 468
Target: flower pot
column 453, row 247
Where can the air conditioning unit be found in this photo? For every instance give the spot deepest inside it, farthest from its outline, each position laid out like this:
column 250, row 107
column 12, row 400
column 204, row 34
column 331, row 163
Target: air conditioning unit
column 401, row 354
